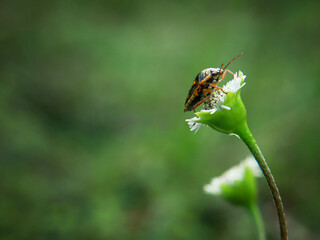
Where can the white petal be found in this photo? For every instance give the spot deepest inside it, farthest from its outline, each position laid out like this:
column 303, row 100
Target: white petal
column 214, row 187
column 194, row 126
column 226, row 107
column 251, row 163
column 212, row 111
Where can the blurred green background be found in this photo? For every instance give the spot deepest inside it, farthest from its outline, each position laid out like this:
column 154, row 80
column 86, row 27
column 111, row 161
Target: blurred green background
column 93, row 138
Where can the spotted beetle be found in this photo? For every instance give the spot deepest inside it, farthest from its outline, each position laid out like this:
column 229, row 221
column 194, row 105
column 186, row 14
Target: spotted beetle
column 204, row 84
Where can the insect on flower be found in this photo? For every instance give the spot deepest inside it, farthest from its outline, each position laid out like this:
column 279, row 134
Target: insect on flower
column 204, row 84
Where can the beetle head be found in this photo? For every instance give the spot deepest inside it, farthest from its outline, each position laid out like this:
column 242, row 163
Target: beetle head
column 216, row 73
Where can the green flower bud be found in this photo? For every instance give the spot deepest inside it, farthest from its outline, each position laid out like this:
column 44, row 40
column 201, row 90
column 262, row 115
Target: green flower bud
column 237, row 185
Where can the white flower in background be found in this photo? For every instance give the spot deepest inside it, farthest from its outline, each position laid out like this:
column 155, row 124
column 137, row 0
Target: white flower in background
column 238, row 187
column 233, row 176
column 220, row 102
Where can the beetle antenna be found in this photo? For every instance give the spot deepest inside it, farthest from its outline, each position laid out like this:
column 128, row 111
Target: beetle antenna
column 231, row 61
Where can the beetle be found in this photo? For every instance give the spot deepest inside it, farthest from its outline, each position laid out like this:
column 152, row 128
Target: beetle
column 204, row 84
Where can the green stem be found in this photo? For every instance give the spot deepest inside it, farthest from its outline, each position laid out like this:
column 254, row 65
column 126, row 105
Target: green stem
column 254, row 210
column 246, row 136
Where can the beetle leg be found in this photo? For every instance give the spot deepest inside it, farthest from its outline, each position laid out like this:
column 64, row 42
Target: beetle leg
column 197, row 105
column 224, row 74
column 215, row 86
column 205, row 91
column 229, row 72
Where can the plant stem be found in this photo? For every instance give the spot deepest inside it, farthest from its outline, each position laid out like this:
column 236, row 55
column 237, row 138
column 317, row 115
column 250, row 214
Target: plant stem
column 254, row 210
column 246, row 136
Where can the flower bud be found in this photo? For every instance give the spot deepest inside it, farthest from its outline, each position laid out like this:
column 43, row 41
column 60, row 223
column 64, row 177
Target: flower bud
column 237, row 185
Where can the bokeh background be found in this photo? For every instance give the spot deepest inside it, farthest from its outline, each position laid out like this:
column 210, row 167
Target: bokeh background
column 93, row 138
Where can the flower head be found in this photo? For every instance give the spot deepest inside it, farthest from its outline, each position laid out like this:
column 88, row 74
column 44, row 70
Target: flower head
column 225, row 110
column 237, row 185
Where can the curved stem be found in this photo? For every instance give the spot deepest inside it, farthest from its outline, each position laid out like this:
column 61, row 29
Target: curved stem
column 246, row 136
column 254, row 210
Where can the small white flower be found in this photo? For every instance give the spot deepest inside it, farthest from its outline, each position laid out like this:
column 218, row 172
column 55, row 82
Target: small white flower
column 235, row 84
column 232, row 175
column 218, row 99
column 193, row 124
